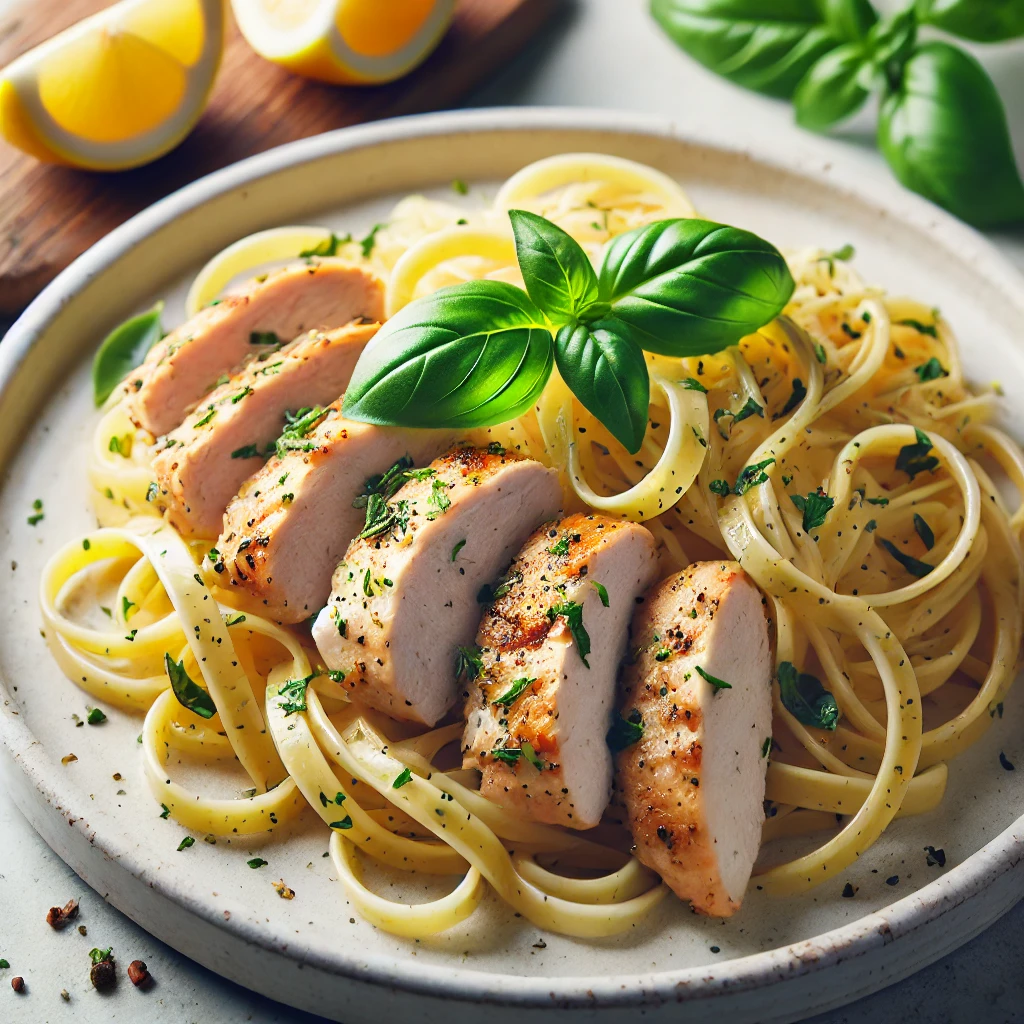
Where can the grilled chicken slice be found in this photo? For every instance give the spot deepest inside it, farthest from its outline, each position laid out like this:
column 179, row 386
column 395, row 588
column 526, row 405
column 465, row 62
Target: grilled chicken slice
column 209, row 456
column 693, row 784
column 288, row 527
column 405, row 599
column 186, row 365
column 539, row 711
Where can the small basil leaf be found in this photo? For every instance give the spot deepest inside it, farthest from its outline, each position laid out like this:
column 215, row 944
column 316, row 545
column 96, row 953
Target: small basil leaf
column 606, row 371
column 831, row 90
column 850, row 20
column 471, row 355
column 806, row 699
column 765, row 45
column 188, row 693
column 693, row 287
column 944, row 134
column 983, row 21
column 123, row 349
column 557, row 272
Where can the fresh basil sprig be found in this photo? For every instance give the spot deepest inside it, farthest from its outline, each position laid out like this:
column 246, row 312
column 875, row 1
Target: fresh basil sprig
column 123, row 349
column 941, row 122
column 480, row 353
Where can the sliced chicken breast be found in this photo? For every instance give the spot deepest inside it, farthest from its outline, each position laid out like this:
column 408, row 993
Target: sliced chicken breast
column 269, row 311
column 700, row 691
column 404, row 599
column 539, row 710
column 290, row 523
column 227, row 438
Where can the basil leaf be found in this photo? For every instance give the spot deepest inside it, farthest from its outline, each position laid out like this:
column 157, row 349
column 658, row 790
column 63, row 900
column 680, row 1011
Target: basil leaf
column 983, row 21
column 557, row 272
column 693, row 287
column 850, row 20
column 943, row 131
column 831, row 90
column 765, row 45
column 806, row 699
column 509, row 697
column 189, row 693
column 122, row 350
column 607, row 372
column 471, row 355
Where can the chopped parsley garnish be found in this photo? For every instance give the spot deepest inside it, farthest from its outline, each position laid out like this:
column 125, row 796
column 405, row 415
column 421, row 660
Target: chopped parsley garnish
column 166, row 812
column 340, row 624
column 914, row 458
column 244, row 393
column 458, row 547
column 815, row 507
column 152, row 491
column 509, row 697
column 367, row 584
column 468, row 663
column 263, row 338
column 248, row 451
column 126, row 606
column 293, row 693
column 871, row 525
column 189, row 693
column 625, row 731
column 507, row 755
column 234, row 620
column 184, row 845
column 806, row 699
column 935, row 858
column 297, row 425
column 459, row 186
column 921, row 328
column 206, row 419
column 913, row 565
column 38, row 513
column 797, row 395
column 931, row 370
column 560, row 547
column 749, row 408
column 96, row 717
column 531, row 755
column 752, row 476
column 257, row 862
column 328, row 247
column 692, row 384
column 404, row 777
column 438, row 501
column 602, row 592
column 820, row 354
column 121, row 445
column 663, row 654
column 367, row 244
column 573, row 615
column 345, row 822
column 877, row 501
column 924, row 531
column 766, row 747
column 718, row 684
column 720, row 487
column 97, row 956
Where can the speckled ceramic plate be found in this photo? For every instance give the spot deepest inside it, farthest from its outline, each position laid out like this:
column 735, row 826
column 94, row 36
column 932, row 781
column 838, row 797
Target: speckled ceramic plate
column 776, row 960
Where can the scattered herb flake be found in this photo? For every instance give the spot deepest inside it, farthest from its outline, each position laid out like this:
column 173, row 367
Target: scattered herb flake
column 931, row 370
column 602, row 592
column 458, row 547
column 404, row 777
column 924, row 531
column 573, row 615
column 186, row 843
column 797, row 395
column 815, row 508
column 625, row 731
column 96, row 717
column 257, row 862
column 189, row 694
column 509, row 697
column 913, row 565
column 914, row 458
column 468, row 663
column 806, row 699
column 718, row 684
column 367, row 244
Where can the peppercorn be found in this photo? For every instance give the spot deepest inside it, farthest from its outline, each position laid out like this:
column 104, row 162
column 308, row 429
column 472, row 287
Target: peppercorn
column 18, row 984
column 103, row 975
column 138, row 973
column 57, row 917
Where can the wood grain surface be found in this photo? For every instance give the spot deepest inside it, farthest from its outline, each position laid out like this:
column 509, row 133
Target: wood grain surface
column 49, row 215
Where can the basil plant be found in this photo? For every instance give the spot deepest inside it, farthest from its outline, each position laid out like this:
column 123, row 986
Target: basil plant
column 480, row 353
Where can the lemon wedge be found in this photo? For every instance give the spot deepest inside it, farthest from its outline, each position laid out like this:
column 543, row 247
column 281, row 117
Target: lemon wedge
column 118, row 89
column 350, row 42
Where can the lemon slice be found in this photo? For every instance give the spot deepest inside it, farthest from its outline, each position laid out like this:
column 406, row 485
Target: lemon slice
column 350, row 42
column 118, row 89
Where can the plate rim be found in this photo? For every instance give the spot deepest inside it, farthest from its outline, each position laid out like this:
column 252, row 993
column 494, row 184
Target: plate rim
column 1001, row 856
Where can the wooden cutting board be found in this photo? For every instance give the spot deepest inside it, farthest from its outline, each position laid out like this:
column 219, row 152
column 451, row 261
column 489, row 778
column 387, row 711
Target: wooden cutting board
column 49, row 215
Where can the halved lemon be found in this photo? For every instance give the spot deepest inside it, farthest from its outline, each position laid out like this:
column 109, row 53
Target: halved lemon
column 118, row 89
column 349, row 42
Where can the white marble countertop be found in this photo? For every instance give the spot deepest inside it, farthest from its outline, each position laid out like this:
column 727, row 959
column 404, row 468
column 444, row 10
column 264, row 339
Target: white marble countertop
column 602, row 53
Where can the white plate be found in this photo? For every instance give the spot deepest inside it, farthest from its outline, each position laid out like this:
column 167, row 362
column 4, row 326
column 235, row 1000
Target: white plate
column 776, row 960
